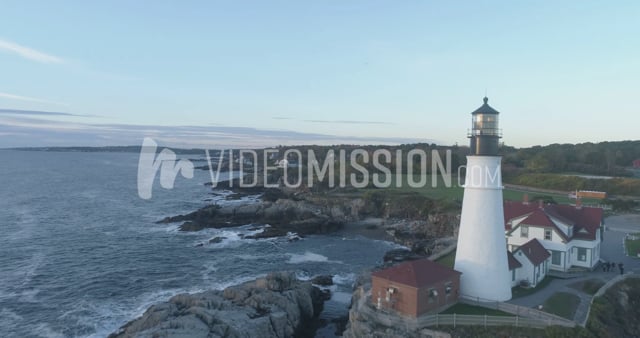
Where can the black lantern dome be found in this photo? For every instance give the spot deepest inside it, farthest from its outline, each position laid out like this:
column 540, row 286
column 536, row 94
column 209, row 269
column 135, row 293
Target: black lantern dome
column 485, row 133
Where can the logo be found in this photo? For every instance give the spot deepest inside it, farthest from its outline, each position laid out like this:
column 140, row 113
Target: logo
column 166, row 163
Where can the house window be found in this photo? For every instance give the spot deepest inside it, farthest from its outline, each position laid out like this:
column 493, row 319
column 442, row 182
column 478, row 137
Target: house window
column 432, row 295
column 513, row 274
column 582, row 254
column 448, row 287
column 547, row 234
column 556, row 257
column 524, row 231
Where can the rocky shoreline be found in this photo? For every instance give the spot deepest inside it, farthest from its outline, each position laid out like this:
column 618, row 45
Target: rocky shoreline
column 278, row 305
column 286, row 212
column 283, row 216
column 302, row 212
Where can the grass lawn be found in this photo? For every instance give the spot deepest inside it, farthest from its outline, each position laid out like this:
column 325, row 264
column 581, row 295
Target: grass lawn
column 562, row 304
column 454, row 191
column 633, row 246
column 466, row 309
column 448, row 259
column 589, row 286
column 518, row 292
column 441, row 190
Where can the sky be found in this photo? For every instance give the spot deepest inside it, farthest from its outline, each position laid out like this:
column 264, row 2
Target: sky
column 251, row 73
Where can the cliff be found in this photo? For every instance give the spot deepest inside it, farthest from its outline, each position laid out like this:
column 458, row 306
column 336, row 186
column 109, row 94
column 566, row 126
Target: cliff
column 365, row 321
column 616, row 312
column 275, row 306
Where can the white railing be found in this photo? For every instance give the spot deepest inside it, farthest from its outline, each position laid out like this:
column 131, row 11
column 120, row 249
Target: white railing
column 482, row 320
column 517, row 310
column 523, row 317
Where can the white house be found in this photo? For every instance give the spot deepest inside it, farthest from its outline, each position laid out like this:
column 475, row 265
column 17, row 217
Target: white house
column 571, row 234
column 514, row 265
column 534, row 260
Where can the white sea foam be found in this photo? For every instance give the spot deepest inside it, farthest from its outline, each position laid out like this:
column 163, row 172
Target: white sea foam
column 220, row 198
column 308, row 257
column 231, row 237
column 172, row 228
column 109, row 316
column 10, row 320
column 45, row 330
column 344, row 279
column 249, row 257
column 303, row 275
column 235, row 281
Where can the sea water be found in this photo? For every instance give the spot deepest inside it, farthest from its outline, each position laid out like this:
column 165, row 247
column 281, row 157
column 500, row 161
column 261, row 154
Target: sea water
column 81, row 254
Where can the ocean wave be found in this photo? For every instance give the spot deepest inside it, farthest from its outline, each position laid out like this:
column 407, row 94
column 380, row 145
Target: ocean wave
column 303, row 275
column 231, row 237
column 10, row 320
column 219, row 197
column 344, row 279
column 45, row 330
column 107, row 317
column 308, row 256
column 235, row 281
column 247, row 257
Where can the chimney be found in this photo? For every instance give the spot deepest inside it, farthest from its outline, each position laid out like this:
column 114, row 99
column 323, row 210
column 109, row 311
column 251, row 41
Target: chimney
column 578, row 203
column 525, row 199
column 540, row 203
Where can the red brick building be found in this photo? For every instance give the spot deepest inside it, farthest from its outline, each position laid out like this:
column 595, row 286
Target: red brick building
column 416, row 287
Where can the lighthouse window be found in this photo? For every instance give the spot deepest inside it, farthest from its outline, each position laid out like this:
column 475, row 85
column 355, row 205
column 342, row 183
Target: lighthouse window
column 524, row 231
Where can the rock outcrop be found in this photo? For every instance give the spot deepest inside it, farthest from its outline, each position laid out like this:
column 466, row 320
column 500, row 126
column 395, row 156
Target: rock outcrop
column 275, row 306
column 616, row 312
column 284, row 215
column 365, row 321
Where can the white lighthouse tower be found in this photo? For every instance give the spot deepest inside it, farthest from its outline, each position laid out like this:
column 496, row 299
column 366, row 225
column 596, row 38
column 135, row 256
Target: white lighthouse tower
column 482, row 249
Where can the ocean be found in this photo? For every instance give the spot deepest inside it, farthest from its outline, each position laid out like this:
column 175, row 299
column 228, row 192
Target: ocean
column 81, row 254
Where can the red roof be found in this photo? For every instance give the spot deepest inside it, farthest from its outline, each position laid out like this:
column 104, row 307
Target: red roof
column 534, row 251
column 586, row 218
column 516, row 209
column 417, row 274
column 539, row 217
column 513, row 262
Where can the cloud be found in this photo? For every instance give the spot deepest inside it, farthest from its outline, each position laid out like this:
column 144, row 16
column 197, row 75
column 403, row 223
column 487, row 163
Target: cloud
column 347, row 122
column 334, row 121
column 39, row 132
column 28, row 53
column 28, row 99
column 38, row 112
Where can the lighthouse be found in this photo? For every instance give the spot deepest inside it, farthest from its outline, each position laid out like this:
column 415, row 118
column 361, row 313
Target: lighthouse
column 481, row 255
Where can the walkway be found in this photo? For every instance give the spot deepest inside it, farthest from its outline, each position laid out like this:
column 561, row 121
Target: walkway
column 611, row 251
